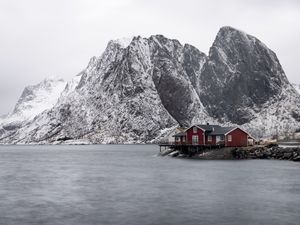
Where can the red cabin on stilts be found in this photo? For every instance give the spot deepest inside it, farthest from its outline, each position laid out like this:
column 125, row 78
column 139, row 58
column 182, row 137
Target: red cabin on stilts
column 213, row 135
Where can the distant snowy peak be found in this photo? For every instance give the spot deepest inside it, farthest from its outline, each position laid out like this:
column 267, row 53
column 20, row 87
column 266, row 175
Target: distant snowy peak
column 37, row 98
column 71, row 85
column 297, row 87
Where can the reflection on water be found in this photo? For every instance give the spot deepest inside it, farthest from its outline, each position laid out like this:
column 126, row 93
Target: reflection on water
column 115, row 184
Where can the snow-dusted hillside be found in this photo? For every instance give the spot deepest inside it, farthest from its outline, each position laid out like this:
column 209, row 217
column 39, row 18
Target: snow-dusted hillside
column 34, row 100
column 139, row 90
column 37, row 98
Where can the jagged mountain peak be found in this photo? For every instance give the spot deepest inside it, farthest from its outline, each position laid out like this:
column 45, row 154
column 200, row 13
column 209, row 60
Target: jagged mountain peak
column 163, row 39
column 234, row 50
column 243, row 79
column 227, row 37
column 229, row 30
column 129, row 93
column 139, row 89
column 230, row 33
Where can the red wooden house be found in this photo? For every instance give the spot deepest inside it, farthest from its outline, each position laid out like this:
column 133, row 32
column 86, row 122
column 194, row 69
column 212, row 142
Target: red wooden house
column 212, row 135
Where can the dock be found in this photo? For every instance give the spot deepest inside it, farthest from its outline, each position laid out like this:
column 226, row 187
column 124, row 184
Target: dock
column 188, row 149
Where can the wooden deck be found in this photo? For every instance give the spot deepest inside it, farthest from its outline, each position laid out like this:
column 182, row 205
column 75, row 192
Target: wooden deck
column 189, row 148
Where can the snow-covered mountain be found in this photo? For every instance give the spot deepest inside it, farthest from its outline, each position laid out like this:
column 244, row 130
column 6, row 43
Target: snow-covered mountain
column 131, row 93
column 139, row 90
column 34, row 100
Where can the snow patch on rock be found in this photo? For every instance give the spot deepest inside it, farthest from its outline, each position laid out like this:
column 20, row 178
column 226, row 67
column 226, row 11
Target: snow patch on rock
column 297, row 87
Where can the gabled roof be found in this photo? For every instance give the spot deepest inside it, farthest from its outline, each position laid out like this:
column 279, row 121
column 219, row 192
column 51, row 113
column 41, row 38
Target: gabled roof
column 234, row 128
column 194, row 126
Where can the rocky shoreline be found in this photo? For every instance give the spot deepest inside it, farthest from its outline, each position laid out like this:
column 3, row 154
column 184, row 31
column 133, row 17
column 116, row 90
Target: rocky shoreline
column 272, row 151
column 268, row 152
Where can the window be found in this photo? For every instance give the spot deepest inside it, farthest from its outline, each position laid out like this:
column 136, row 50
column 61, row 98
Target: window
column 209, row 138
column 195, row 130
column 229, row 138
column 183, row 138
column 195, row 139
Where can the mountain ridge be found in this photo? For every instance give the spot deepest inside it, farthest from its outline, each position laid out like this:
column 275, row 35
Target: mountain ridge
column 138, row 91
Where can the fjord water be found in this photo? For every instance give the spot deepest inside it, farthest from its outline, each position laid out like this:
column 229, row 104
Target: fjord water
column 129, row 184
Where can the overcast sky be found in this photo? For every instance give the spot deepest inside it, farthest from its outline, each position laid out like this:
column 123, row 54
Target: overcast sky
column 42, row 38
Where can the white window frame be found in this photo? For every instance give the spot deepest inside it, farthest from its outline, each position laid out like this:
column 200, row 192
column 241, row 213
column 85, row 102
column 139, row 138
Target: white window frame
column 209, row 138
column 229, row 138
column 195, row 137
column 195, row 130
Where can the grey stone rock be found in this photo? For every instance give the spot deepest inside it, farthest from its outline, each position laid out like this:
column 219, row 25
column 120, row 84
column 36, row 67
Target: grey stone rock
column 241, row 77
column 287, row 155
column 296, row 159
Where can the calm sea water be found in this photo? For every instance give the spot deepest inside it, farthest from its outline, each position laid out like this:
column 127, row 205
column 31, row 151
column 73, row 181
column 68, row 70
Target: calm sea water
column 115, row 184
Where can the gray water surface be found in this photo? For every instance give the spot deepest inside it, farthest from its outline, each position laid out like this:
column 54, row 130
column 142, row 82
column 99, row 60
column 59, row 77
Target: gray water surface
column 128, row 184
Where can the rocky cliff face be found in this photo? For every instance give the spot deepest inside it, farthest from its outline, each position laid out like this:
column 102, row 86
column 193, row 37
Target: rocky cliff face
column 138, row 90
column 241, row 73
column 243, row 82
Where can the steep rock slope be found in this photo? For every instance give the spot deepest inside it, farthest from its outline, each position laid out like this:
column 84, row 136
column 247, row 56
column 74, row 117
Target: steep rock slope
column 132, row 93
column 243, row 82
column 171, row 72
column 193, row 62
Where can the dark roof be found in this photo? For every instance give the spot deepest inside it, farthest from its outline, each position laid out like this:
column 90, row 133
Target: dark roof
column 179, row 134
column 221, row 130
column 208, row 127
column 215, row 129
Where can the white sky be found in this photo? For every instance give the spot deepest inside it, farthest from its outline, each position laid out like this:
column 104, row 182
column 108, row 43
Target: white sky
column 41, row 38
